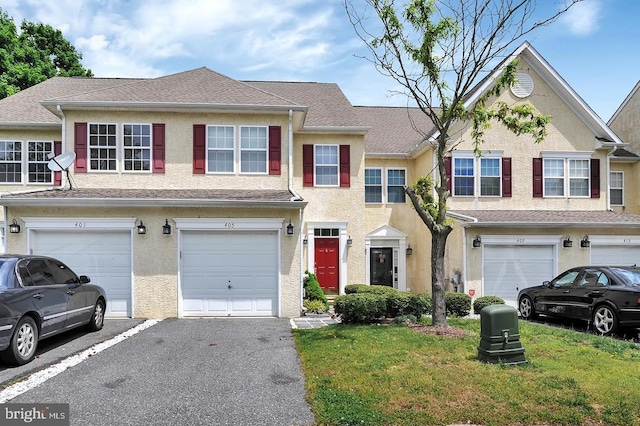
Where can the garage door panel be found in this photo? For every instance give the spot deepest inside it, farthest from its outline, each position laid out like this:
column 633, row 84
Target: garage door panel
column 615, row 254
column 104, row 256
column 508, row 269
column 229, row 273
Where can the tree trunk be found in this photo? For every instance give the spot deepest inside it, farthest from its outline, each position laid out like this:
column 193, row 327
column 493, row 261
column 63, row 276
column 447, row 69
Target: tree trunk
column 439, row 309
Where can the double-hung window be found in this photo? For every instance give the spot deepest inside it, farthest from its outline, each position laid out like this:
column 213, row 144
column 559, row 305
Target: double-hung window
column 103, row 147
column 326, row 165
column 463, row 176
column 220, row 149
column 396, row 181
column 37, row 160
column 616, row 188
column 137, row 147
column 490, row 176
column 373, row 185
column 253, row 149
column 564, row 176
column 10, row 161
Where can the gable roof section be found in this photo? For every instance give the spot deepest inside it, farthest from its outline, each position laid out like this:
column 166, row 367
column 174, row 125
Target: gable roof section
column 201, row 87
column 328, row 106
column 624, row 103
column 573, row 101
column 24, row 108
column 393, row 130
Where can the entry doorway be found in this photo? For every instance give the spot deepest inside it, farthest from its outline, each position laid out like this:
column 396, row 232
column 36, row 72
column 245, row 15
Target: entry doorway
column 382, row 267
column 327, row 263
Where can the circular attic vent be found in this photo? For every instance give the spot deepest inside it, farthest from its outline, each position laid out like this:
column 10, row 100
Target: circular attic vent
column 524, row 86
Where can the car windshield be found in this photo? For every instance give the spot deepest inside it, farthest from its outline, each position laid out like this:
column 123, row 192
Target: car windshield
column 630, row 276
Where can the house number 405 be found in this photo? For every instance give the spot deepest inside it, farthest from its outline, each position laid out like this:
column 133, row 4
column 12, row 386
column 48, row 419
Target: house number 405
column 229, row 225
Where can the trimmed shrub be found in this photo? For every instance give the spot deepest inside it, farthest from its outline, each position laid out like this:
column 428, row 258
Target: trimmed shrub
column 458, row 304
column 313, row 291
column 374, row 289
column 360, row 308
column 402, row 304
column 405, row 319
column 427, row 301
column 315, row 306
column 484, row 301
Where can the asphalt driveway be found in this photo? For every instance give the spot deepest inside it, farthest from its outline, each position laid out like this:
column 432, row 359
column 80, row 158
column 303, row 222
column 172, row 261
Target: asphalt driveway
column 187, row 372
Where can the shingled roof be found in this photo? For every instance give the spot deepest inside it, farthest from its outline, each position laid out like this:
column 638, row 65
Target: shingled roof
column 546, row 218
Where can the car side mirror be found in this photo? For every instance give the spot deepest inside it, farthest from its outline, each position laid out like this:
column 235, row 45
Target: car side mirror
column 84, row 279
column 546, row 283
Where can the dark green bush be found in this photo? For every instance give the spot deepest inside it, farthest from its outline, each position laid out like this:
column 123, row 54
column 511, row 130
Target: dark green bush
column 426, row 300
column 400, row 304
column 458, row 304
column 363, row 288
column 484, row 301
column 313, row 291
column 360, row 308
column 405, row 319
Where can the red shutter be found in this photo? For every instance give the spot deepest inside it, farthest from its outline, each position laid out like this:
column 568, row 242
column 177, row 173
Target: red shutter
column 57, row 150
column 537, row 177
column 506, row 177
column 158, row 148
column 275, row 149
column 307, row 165
column 447, row 171
column 595, row 178
column 80, row 147
column 199, row 149
column 345, row 166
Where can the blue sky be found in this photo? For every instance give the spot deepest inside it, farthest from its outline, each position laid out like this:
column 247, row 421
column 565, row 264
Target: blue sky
column 594, row 47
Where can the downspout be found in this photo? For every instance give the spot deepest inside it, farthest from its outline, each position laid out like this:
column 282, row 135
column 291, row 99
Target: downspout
column 296, row 197
column 608, row 175
column 64, row 132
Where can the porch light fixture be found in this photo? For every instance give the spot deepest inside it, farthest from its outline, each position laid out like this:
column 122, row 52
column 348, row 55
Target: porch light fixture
column 477, row 242
column 349, row 241
column 585, row 243
column 14, row 228
column 289, row 229
column 567, row 242
column 305, row 241
column 142, row 229
column 166, row 228
column 409, row 250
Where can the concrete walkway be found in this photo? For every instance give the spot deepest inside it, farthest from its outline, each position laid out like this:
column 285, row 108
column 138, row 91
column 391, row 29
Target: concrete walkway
column 313, row 321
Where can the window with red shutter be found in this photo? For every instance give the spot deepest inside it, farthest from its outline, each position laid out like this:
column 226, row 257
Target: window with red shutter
column 199, row 149
column 537, row 177
column 158, row 148
column 595, row 178
column 345, row 166
column 506, row 177
column 57, row 150
column 307, row 165
column 275, row 150
column 80, row 147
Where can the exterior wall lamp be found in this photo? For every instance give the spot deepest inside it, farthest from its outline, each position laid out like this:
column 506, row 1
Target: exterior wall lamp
column 477, row 242
column 567, row 242
column 585, row 243
column 289, row 229
column 166, row 228
column 349, row 241
column 14, row 228
column 142, row 229
column 305, row 241
column 409, row 250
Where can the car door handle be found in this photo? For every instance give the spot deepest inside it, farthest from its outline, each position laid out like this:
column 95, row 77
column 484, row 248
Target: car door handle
column 38, row 296
column 566, row 291
column 71, row 292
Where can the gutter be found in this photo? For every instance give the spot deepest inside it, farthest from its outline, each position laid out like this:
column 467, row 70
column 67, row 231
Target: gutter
column 147, row 202
column 173, row 106
column 615, row 225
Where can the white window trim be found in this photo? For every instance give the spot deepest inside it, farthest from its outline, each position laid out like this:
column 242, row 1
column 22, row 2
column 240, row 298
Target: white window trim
column 240, row 150
column 500, row 171
column 26, row 162
column 23, row 171
column 315, row 166
column 620, row 188
column 120, row 142
column 117, row 148
column 566, row 177
column 382, row 179
column 464, row 156
column 477, row 176
column 234, row 149
column 385, row 180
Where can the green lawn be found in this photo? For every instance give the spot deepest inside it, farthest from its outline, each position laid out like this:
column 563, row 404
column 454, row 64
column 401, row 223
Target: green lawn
column 393, row 375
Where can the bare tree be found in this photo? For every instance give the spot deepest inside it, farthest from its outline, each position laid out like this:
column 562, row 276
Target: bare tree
column 438, row 50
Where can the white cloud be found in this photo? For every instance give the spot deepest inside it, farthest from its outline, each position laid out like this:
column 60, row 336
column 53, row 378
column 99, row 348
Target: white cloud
column 582, row 18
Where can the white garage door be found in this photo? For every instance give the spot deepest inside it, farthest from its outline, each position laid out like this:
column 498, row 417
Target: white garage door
column 615, row 255
column 105, row 256
column 229, row 273
column 508, row 269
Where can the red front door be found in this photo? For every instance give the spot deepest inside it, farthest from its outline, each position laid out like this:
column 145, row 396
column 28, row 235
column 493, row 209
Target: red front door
column 326, row 259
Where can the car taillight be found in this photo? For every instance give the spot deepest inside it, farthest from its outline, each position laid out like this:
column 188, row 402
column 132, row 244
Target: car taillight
column 638, row 300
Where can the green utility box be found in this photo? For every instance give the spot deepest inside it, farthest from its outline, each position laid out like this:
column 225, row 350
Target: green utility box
column 500, row 336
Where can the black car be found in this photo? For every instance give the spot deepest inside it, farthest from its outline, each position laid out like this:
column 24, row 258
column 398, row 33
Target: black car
column 606, row 296
column 41, row 297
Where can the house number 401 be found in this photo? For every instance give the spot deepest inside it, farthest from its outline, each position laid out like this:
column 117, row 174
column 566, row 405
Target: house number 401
column 229, row 225
column 520, row 240
column 81, row 224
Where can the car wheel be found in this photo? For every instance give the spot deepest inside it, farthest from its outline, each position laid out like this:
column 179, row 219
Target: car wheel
column 605, row 320
column 23, row 343
column 97, row 317
column 527, row 311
